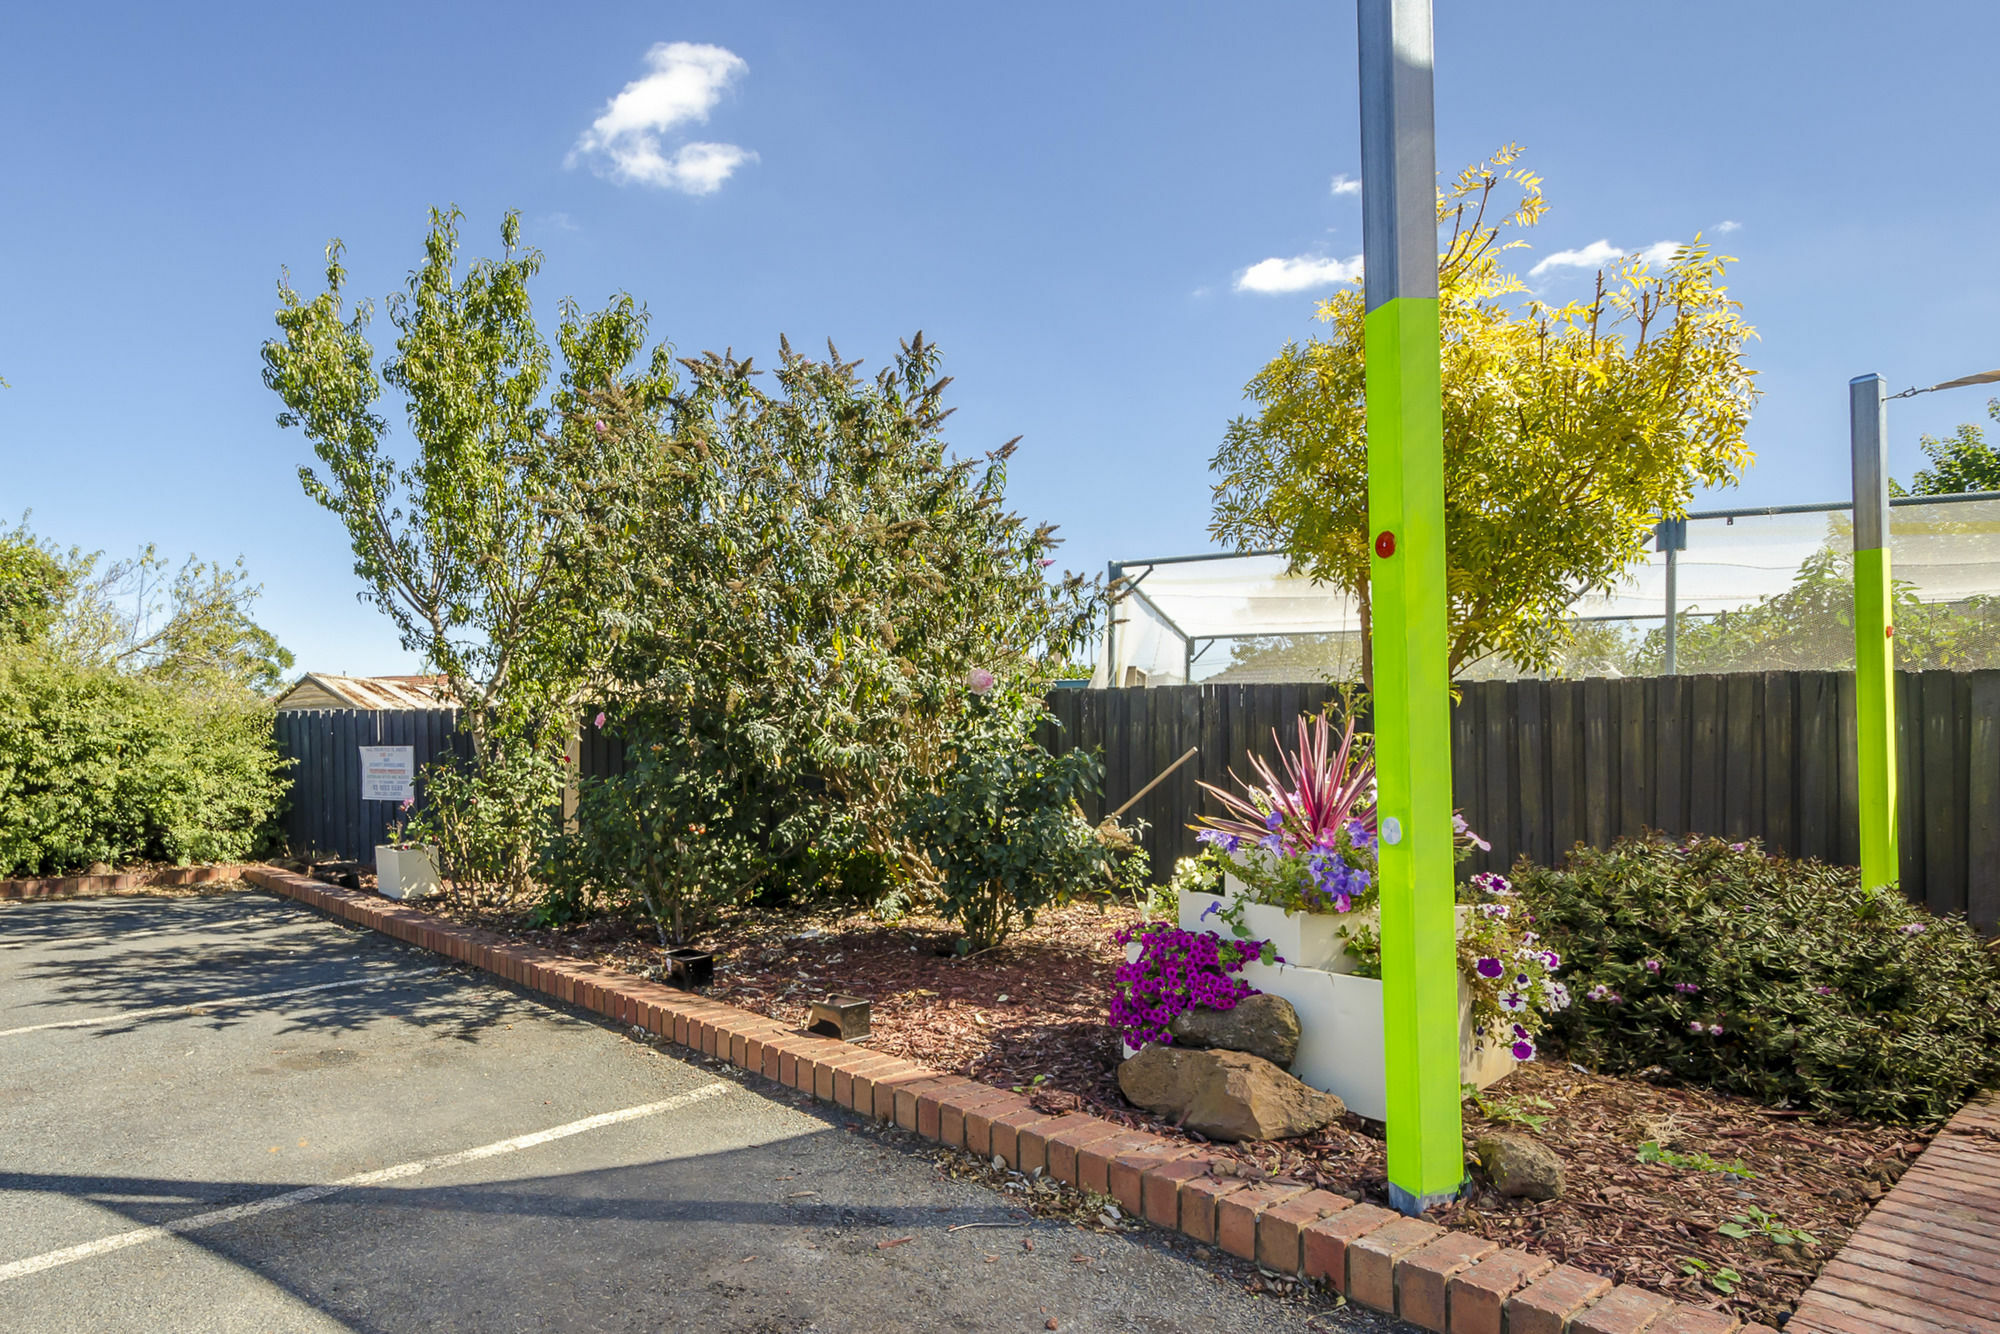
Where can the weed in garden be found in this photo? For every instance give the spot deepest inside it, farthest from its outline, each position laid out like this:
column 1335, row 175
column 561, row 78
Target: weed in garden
column 1720, row 1277
column 1754, row 1222
column 1651, row 1152
column 1513, row 1111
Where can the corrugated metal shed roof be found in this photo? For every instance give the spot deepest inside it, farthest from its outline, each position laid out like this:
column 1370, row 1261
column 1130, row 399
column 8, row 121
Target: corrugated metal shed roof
column 323, row 690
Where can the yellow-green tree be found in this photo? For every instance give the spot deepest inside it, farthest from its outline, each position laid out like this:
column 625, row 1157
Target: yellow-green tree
column 1569, row 430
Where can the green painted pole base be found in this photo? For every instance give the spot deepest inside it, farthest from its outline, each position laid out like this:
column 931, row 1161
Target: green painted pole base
column 1413, row 753
column 1875, row 718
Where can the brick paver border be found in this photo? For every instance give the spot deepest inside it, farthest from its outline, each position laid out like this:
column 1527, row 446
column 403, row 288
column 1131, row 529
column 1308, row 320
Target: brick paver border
column 1408, row 1269
column 1928, row 1256
column 67, row 886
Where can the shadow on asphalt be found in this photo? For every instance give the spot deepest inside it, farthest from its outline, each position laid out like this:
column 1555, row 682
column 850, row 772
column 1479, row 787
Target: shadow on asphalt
column 783, row 1236
column 154, row 971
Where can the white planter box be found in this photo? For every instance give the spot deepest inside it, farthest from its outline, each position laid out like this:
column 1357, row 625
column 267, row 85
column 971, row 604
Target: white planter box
column 1340, row 1015
column 405, row 873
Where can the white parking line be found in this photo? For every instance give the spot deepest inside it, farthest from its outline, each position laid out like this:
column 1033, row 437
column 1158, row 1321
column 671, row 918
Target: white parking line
column 34, row 1264
column 219, row 1003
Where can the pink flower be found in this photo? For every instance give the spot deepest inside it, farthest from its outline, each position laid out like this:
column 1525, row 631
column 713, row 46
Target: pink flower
column 979, row 680
column 1715, row 1030
column 601, row 427
column 600, row 719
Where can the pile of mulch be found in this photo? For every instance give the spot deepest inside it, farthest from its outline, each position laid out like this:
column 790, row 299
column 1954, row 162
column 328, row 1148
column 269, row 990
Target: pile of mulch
column 1030, row 1015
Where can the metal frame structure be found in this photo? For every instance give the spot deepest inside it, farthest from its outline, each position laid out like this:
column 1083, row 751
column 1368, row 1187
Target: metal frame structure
column 1117, row 570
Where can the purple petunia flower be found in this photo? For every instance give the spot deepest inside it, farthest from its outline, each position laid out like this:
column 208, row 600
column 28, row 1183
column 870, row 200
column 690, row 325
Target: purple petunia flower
column 1494, row 909
column 1489, row 968
column 1463, row 830
column 1513, row 1002
column 1523, row 1050
column 1551, row 960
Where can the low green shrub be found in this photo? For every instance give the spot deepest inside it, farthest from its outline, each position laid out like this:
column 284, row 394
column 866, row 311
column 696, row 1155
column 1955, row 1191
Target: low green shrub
column 1764, row 976
column 1004, row 832
column 100, row 766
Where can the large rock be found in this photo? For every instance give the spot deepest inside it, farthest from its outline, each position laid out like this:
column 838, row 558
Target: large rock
column 1225, row 1095
column 1519, row 1166
column 1263, row 1025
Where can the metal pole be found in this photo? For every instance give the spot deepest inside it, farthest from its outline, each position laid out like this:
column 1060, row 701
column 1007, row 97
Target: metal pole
column 1112, row 573
column 1874, row 634
column 1407, row 583
column 1672, row 537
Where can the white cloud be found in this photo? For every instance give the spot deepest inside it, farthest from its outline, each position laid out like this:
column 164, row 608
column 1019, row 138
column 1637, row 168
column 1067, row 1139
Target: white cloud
column 1593, row 256
column 1728, row 225
column 1599, row 254
column 624, row 143
column 1297, row 274
column 1343, row 184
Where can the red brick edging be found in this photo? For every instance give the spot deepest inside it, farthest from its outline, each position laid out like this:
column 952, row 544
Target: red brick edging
column 1450, row 1282
column 1927, row 1257
column 63, row 886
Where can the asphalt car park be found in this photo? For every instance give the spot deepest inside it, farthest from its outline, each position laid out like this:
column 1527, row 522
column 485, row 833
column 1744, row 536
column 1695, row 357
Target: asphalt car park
column 229, row 1113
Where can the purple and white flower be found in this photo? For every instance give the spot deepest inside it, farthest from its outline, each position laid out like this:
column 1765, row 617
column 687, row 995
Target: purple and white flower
column 1489, row 968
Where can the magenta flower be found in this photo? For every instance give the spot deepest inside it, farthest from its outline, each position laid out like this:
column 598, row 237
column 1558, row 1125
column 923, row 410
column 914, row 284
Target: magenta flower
column 1694, row 1026
column 1686, row 988
column 1651, row 965
column 1715, row 1030
column 1825, row 991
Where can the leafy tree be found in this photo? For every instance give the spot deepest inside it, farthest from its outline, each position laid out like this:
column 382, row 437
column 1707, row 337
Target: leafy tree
column 469, row 546
column 192, row 628
column 1568, row 430
column 35, row 583
column 813, row 593
column 1962, row 462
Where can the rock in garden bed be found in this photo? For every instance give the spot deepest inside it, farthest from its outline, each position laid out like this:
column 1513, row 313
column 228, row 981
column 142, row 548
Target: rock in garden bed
column 1225, row 1095
column 1031, row 1015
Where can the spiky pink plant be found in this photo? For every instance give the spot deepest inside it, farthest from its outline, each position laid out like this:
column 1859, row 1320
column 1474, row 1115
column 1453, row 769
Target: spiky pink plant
column 1316, row 792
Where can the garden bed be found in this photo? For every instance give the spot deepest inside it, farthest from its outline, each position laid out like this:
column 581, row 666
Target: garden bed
column 1031, row 1015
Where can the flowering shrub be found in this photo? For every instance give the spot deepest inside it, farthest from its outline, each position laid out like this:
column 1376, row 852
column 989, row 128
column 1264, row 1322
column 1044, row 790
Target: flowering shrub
column 1176, row 971
column 1774, row 978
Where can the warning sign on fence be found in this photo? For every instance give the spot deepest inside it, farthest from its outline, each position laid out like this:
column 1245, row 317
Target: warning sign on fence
column 388, row 773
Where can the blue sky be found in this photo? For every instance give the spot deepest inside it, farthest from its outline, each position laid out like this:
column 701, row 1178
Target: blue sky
column 1066, row 197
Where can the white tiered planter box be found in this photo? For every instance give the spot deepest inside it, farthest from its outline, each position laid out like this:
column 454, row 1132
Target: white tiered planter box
column 405, row 873
column 1340, row 1015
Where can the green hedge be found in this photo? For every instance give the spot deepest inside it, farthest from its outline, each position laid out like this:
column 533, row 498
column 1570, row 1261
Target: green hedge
column 98, row 766
column 1774, row 978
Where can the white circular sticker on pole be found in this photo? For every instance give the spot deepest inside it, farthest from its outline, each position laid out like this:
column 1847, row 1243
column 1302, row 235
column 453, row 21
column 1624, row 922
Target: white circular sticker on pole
column 1392, row 831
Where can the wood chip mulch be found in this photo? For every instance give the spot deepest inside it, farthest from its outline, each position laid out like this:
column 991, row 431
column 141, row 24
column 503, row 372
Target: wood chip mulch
column 1030, row 1015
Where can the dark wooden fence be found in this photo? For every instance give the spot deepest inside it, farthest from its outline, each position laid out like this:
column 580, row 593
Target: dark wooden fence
column 327, row 817
column 1539, row 766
